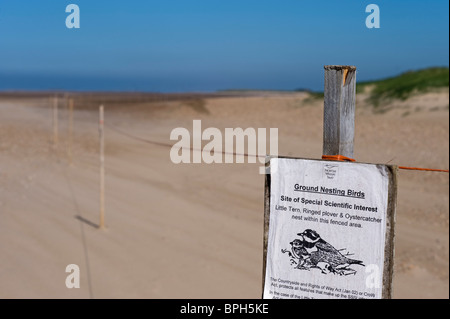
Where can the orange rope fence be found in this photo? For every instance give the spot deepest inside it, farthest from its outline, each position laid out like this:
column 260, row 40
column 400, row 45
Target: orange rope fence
column 348, row 159
column 341, row 158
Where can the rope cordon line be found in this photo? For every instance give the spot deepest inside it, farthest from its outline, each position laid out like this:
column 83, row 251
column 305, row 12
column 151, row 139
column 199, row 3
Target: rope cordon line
column 348, row 159
column 340, row 158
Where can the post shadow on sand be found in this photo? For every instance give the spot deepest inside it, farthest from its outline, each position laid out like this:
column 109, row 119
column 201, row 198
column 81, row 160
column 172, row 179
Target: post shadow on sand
column 87, row 221
column 83, row 235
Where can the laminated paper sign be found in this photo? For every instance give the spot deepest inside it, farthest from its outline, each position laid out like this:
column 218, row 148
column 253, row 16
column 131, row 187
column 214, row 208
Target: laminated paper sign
column 329, row 229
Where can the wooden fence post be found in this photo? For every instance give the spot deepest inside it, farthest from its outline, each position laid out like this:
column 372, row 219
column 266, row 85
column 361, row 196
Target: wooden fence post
column 55, row 122
column 339, row 110
column 102, row 169
column 69, row 149
column 338, row 139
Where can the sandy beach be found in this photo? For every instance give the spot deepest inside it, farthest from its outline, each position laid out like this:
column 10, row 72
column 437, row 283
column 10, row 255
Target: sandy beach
column 193, row 230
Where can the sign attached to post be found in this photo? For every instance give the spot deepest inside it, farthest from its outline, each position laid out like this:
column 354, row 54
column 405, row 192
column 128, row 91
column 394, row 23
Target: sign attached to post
column 329, row 229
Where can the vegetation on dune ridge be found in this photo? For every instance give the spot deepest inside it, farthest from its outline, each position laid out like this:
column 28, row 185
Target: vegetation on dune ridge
column 401, row 86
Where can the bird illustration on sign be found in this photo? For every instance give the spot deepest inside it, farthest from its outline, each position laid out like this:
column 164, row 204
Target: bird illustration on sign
column 311, row 251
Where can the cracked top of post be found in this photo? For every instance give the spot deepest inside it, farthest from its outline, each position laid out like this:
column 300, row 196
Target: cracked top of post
column 340, row 67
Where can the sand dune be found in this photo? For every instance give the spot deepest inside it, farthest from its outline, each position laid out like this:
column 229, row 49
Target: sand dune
column 193, row 231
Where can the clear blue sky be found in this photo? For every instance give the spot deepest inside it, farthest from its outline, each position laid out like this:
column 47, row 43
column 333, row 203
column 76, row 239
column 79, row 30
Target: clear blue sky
column 206, row 45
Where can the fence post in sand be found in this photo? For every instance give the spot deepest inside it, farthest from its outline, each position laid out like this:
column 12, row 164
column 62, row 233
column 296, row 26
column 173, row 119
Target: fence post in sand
column 55, row 122
column 69, row 149
column 338, row 139
column 102, row 169
column 339, row 110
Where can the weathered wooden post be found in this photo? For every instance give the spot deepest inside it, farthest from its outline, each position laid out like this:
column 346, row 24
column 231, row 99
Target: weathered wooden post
column 102, row 168
column 69, row 147
column 339, row 110
column 329, row 224
column 55, row 122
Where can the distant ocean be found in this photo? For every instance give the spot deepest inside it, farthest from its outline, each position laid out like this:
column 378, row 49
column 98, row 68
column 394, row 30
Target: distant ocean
column 44, row 82
column 33, row 82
